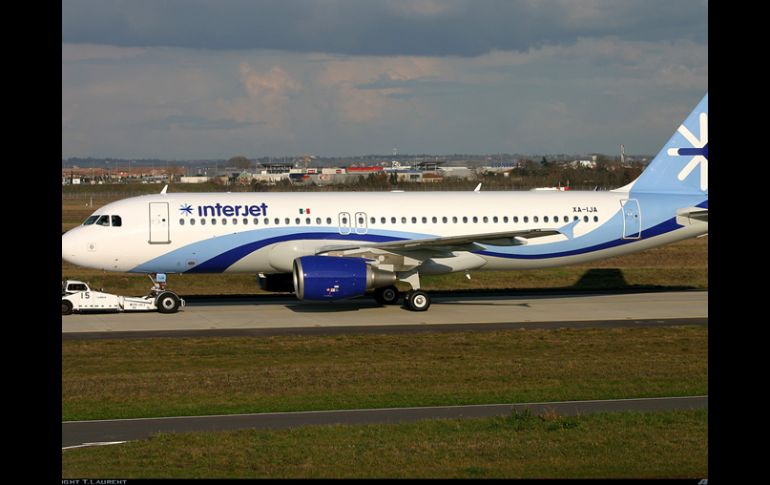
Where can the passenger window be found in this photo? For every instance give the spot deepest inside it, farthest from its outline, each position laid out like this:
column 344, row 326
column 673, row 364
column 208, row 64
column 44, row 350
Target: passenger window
column 435, row 219
column 494, row 219
column 574, row 218
column 203, row 222
column 372, row 220
column 90, row 220
column 414, row 220
column 287, row 220
column 256, row 221
column 534, row 219
column 465, row 219
column 224, row 221
column 526, row 218
column 328, row 220
column 361, row 221
column 318, row 221
column 235, row 221
column 344, row 220
column 485, row 219
column 596, row 218
column 505, row 219
column 307, row 221
column 516, row 219
column 383, row 220
column 267, row 221
column 545, row 219
column 117, row 221
column 298, row 221
column 585, row 218
column 475, row 219
column 181, row 222
column 213, row 222
column 392, row 220
column 103, row 221
column 555, row 218
column 403, row 220
column 192, row 222
column 424, row 220
column 566, row 218
column 245, row 221
column 454, row 219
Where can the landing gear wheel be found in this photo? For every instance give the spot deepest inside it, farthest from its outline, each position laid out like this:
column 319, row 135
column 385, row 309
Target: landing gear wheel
column 66, row 307
column 167, row 302
column 418, row 301
column 387, row 296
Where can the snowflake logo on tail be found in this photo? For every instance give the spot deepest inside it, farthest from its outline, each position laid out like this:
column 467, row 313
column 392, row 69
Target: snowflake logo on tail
column 699, row 152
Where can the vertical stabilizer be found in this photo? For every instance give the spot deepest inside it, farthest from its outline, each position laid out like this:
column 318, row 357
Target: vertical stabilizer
column 682, row 164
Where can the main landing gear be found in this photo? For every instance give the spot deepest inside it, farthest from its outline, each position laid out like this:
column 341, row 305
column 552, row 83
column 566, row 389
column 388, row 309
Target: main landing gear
column 415, row 299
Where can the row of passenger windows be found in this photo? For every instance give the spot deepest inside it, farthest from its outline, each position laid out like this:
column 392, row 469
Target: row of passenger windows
column 393, row 220
column 104, row 220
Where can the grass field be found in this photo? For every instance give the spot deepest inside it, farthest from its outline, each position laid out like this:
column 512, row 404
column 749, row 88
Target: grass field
column 622, row 445
column 104, row 379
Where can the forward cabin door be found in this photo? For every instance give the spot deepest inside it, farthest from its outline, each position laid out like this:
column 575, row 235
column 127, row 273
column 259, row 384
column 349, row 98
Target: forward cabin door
column 632, row 219
column 159, row 226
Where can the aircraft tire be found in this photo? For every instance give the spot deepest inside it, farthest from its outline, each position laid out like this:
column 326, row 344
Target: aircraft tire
column 418, row 301
column 388, row 295
column 167, row 302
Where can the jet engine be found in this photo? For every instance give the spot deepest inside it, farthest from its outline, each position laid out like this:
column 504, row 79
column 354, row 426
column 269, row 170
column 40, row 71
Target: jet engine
column 335, row 278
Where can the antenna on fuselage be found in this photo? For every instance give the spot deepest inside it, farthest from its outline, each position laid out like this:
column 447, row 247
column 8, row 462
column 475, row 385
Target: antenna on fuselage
column 478, row 187
column 165, row 188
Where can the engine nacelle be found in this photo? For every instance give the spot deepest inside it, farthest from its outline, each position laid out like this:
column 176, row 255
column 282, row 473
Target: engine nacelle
column 336, row 278
column 280, row 282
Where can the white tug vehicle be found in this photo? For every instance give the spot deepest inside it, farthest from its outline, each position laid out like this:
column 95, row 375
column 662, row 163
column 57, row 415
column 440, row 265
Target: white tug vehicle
column 77, row 296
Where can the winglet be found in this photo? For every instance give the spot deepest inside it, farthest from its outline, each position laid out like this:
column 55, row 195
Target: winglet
column 165, row 188
column 478, row 187
column 569, row 229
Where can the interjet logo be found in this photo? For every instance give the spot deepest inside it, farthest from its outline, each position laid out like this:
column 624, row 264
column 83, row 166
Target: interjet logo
column 226, row 210
column 185, row 209
column 699, row 152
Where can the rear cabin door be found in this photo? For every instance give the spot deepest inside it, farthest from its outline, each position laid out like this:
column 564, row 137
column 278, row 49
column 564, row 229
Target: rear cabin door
column 159, row 227
column 632, row 219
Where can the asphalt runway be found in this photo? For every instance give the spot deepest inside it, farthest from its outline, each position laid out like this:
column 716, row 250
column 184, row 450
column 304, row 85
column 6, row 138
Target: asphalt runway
column 76, row 434
column 278, row 316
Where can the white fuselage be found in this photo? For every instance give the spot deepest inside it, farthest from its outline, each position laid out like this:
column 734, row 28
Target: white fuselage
column 265, row 232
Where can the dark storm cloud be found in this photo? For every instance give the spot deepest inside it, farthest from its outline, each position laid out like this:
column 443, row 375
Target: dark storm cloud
column 354, row 27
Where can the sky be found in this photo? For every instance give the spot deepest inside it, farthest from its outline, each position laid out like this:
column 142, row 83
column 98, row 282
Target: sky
column 212, row 79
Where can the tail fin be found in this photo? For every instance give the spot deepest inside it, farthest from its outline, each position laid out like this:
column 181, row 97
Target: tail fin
column 682, row 164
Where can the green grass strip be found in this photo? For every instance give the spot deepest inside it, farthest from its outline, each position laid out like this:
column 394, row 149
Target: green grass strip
column 621, row 445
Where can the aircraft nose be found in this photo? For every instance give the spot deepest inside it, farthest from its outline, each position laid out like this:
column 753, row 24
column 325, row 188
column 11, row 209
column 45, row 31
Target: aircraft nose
column 72, row 246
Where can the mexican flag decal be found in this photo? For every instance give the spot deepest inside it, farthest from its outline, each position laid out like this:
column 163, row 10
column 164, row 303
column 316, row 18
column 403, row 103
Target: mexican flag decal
column 304, row 211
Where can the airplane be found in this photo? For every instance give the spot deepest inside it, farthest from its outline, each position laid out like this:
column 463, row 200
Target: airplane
column 333, row 246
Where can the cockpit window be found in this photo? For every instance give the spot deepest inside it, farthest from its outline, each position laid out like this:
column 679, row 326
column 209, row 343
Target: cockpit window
column 117, row 221
column 103, row 221
column 90, row 220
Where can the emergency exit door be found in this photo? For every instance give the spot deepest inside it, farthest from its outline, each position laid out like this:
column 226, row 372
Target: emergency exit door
column 159, row 226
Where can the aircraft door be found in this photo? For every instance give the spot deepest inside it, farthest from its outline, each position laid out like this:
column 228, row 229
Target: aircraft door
column 159, row 223
column 344, row 218
column 361, row 224
column 632, row 219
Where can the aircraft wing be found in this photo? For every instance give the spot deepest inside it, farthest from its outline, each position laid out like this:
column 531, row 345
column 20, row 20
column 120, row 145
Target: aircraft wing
column 452, row 243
